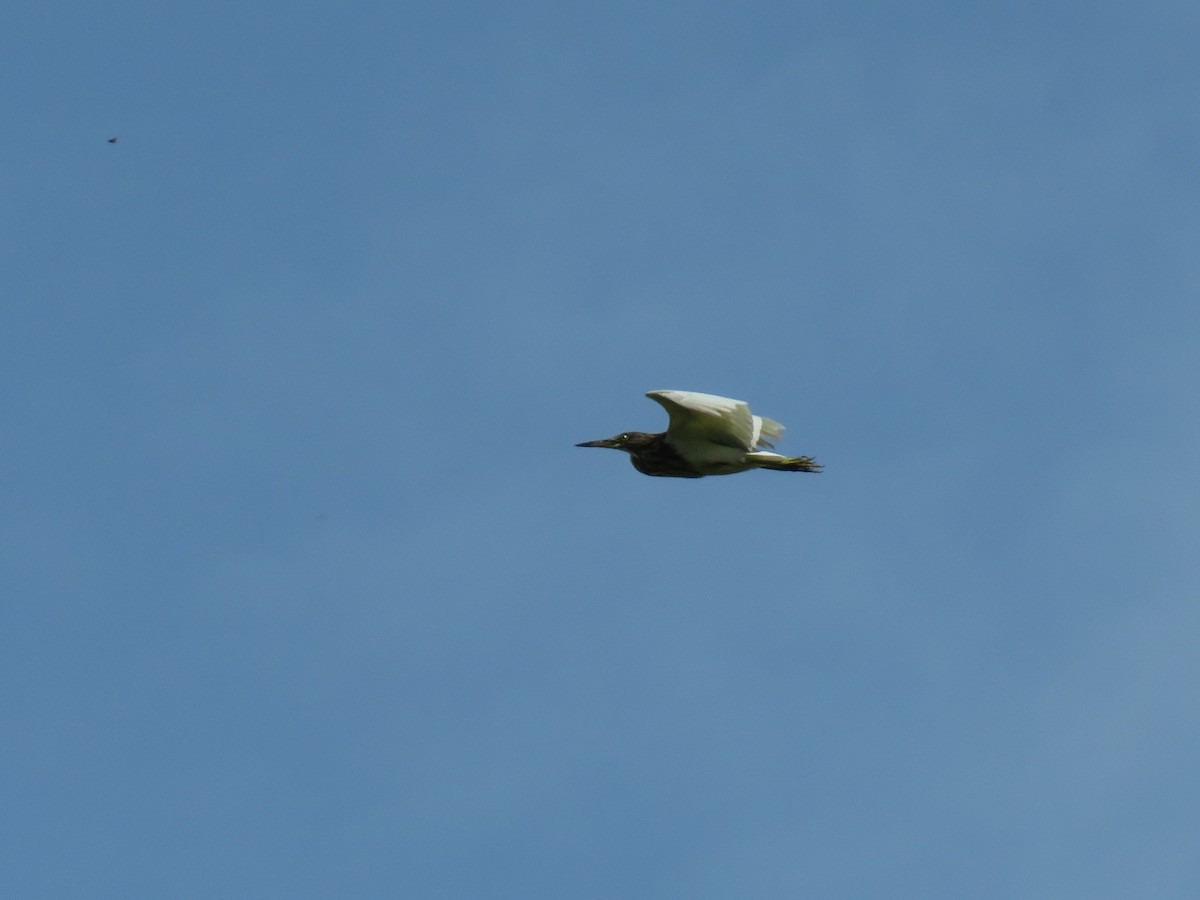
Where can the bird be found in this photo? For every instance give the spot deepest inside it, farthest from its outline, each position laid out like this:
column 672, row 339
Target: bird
column 112, row 140
column 706, row 435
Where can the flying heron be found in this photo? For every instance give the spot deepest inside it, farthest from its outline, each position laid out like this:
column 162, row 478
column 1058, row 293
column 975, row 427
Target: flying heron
column 706, row 435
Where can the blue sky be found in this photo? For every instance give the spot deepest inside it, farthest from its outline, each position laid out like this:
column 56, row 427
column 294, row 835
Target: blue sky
column 309, row 593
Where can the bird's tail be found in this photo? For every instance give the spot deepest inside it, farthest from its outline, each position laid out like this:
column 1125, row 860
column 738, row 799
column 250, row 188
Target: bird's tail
column 766, row 432
column 764, row 460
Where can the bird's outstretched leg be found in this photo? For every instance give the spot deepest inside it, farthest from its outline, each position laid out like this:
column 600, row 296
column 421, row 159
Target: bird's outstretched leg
column 780, row 463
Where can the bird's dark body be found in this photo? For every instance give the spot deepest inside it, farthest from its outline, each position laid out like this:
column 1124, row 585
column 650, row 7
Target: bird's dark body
column 652, row 455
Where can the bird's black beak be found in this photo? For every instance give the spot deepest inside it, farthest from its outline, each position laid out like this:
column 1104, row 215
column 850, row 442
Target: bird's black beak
column 607, row 442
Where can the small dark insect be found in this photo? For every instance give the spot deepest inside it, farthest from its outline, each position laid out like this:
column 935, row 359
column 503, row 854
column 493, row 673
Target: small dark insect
column 112, row 140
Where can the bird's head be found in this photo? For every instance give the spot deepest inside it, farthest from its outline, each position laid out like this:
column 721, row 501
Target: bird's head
column 629, row 441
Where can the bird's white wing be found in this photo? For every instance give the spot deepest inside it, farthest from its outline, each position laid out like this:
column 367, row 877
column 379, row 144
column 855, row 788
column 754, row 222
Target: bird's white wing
column 708, row 418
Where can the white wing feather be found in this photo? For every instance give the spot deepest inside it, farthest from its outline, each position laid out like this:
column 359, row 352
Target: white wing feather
column 707, row 418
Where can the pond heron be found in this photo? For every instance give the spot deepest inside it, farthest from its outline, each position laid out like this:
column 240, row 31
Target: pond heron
column 706, row 435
